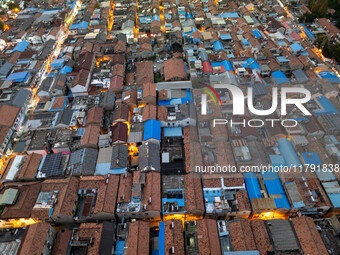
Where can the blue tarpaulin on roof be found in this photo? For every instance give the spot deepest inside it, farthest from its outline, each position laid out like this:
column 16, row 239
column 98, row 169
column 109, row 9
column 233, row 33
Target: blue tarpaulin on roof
column 152, row 129
column 18, row 77
column 280, row 77
column 21, row 46
column 173, row 131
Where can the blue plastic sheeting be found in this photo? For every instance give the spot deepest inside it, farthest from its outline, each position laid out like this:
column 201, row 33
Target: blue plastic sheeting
column 328, row 107
column 241, row 253
column 218, row 46
column 18, row 77
column 119, row 250
column 245, row 42
column 296, row 47
column 188, row 16
column 335, row 199
column 152, row 129
column 81, row 25
column 257, row 34
column 250, row 63
column 155, row 17
column 307, row 31
column 161, row 239
column 80, row 131
column 277, row 161
column 225, row 37
column 330, row 77
column 21, row 46
column 65, row 70
column 288, row 153
column 58, row 62
column 227, row 65
column 311, row 158
column 274, row 187
column 280, row 77
column 282, row 59
column 105, row 168
column 230, row 15
column 252, row 185
column 173, row 132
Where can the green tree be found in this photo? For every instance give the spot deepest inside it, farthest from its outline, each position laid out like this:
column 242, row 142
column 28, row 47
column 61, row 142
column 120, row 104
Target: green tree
column 320, row 7
column 13, row 5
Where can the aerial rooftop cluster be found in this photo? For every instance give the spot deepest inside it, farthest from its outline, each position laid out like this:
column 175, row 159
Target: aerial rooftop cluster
column 101, row 129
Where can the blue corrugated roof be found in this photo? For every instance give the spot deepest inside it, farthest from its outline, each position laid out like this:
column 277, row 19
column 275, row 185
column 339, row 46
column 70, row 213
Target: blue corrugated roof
column 227, row 65
column 173, row 131
column 335, row 199
column 161, row 239
column 225, row 37
column 18, row 77
column 188, row 16
column 155, row 17
column 277, row 161
column 311, row 158
column 230, row 15
column 307, row 32
column 58, row 62
column 274, row 187
column 252, row 185
column 296, row 47
column 81, row 25
column 282, row 59
column 280, row 77
column 257, row 33
column 245, row 42
column 65, row 70
column 21, row 46
column 330, row 77
column 152, row 129
column 218, row 46
column 119, row 250
column 328, row 107
column 288, row 153
column 250, row 63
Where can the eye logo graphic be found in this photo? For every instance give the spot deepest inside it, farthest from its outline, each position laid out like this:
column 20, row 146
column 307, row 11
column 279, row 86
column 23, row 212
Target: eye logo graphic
column 204, row 98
